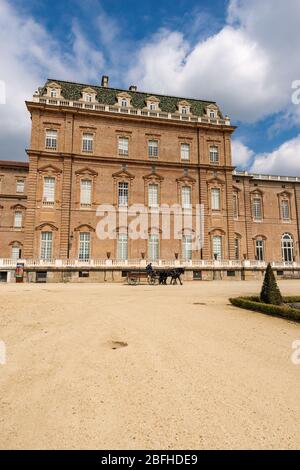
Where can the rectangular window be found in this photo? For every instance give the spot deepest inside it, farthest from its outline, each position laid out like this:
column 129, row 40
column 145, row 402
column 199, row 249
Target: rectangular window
column 153, row 195
column 84, row 246
column 285, row 210
column 257, row 209
column 187, row 247
column 259, row 248
column 15, row 253
column 46, row 246
column 87, row 142
column 51, row 139
column 49, row 190
column 153, row 148
column 153, row 247
column 216, row 199
column 217, row 247
column 20, row 186
column 186, row 197
column 85, row 193
column 235, row 207
column 122, row 248
column 123, row 195
column 214, row 154
column 185, row 151
column 123, row 145
column 18, row 219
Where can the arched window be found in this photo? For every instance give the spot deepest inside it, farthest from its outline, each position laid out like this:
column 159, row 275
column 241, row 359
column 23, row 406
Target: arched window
column 53, row 93
column 88, row 97
column 124, row 103
column 287, row 247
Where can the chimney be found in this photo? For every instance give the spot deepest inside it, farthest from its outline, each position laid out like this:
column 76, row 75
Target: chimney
column 104, row 81
column 133, row 88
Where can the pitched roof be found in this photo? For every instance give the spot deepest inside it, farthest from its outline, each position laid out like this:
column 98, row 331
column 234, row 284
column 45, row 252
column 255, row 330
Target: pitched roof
column 14, row 164
column 169, row 104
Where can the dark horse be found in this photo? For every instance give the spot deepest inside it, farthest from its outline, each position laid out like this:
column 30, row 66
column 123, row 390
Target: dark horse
column 174, row 274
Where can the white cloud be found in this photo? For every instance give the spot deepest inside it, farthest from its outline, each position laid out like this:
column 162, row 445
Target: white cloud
column 241, row 154
column 248, row 66
column 28, row 55
column 282, row 161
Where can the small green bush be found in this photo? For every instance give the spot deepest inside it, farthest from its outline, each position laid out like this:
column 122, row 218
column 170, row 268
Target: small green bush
column 253, row 303
column 270, row 293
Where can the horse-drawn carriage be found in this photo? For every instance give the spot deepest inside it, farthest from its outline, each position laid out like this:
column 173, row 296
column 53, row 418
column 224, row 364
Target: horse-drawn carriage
column 154, row 277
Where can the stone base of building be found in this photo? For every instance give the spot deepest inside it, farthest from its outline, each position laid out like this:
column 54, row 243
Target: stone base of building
column 102, row 275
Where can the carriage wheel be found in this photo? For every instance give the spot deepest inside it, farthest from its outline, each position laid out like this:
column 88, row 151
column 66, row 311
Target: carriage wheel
column 132, row 281
column 153, row 280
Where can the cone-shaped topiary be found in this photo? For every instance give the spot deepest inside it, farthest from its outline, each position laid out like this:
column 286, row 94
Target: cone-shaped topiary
column 270, row 293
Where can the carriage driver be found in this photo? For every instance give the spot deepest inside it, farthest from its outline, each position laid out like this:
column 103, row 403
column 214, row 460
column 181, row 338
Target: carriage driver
column 149, row 269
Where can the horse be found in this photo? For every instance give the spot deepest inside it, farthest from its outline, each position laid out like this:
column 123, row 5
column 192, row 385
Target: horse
column 176, row 274
column 163, row 276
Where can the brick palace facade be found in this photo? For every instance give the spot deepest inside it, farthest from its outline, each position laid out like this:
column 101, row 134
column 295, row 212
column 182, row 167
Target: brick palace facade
column 93, row 145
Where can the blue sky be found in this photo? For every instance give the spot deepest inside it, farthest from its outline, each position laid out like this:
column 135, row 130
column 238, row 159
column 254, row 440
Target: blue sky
column 237, row 52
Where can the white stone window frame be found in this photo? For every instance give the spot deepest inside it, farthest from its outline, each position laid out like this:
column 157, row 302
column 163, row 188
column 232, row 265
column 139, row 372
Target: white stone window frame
column 183, row 153
column 18, row 218
column 153, row 197
column 51, row 139
column 84, row 246
column 87, row 142
column 257, row 203
column 153, row 148
column 20, row 185
column 124, row 100
column 85, row 201
column 212, row 111
column 46, row 245
column 48, row 192
column 184, row 108
column 123, row 145
column 53, row 91
column 235, row 206
column 214, row 154
column 186, row 196
column 216, row 201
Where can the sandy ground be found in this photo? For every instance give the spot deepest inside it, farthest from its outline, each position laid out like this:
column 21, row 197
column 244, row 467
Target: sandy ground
column 191, row 376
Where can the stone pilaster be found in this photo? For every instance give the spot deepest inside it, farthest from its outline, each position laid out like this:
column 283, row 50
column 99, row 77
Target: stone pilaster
column 28, row 251
column 229, row 211
column 248, row 219
column 297, row 205
column 65, row 208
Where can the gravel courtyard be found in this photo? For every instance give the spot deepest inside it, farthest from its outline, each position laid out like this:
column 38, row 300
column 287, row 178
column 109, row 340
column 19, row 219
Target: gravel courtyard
column 110, row 366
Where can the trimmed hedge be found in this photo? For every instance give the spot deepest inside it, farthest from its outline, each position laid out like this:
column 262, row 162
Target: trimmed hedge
column 253, row 303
